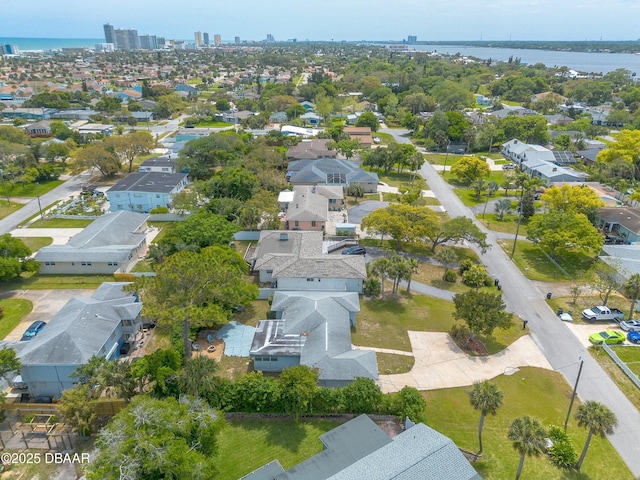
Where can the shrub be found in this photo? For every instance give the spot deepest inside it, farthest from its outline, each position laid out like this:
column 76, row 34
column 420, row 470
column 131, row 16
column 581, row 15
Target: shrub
column 450, row 276
column 159, row 210
column 372, row 287
column 562, row 453
column 465, row 265
column 460, row 334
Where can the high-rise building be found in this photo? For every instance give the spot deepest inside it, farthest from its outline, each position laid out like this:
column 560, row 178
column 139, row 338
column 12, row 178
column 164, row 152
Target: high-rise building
column 412, row 39
column 161, row 41
column 237, row 40
column 270, row 38
column 8, row 49
column 105, row 47
column 148, row 42
column 127, row 39
column 206, row 38
column 109, row 33
column 134, row 40
column 198, row 38
column 217, row 40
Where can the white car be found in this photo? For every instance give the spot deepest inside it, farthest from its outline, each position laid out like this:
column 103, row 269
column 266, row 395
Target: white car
column 630, row 325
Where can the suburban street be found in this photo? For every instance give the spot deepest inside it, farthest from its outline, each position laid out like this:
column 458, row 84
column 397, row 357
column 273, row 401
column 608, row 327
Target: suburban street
column 561, row 348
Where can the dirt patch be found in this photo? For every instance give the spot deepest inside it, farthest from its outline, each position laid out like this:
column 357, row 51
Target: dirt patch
column 213, row 349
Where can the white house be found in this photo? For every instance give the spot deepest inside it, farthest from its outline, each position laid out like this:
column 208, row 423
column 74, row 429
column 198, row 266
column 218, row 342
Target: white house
column 144, row 191
column 164, row 164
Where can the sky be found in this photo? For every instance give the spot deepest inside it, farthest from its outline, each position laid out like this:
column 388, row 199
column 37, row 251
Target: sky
column 436, row 20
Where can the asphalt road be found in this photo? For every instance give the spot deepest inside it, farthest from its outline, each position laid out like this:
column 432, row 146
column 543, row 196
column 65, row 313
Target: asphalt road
column 561, row 348
column 71, row 186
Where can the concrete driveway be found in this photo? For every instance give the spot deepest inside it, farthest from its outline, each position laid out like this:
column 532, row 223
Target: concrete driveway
column 582, row 331
column 46, row 304
column 60, row 235
column 439, row 363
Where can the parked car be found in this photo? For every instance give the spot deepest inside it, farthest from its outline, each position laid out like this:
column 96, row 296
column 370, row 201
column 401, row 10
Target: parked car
column 33, row 330
column 509, row 166
column 355, row 250
column 630, row 325
column 613, row 240
column 609, row 337
column 459, row 151
column 633, row 337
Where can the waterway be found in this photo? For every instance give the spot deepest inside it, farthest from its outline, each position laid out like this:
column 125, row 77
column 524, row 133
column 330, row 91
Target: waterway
column 589, row 62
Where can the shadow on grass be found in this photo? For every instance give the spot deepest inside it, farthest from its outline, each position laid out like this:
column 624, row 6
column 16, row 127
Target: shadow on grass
column 283, row 432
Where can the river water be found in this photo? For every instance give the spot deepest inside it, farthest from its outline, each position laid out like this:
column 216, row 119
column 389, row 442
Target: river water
column 589, row 62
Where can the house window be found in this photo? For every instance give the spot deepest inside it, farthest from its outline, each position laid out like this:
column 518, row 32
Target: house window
column 296, row 224
column 313, row 223
column 165, row 169
column 332, row 201
column 257, row 359
column 112, row 264
column 137, row 195
column 113, row 335
column 311, row 279
column 273, row 359
column 49, row 263
column 157, row 195
column 86, row 264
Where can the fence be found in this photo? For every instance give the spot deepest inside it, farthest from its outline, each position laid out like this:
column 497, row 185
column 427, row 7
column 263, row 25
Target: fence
column 167, row 217
column 625, row 368
column 265, row 293
column 247, row 235
column 102, row 407
column 335, row 245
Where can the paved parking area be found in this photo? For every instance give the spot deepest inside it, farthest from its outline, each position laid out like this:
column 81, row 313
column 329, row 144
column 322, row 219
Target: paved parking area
column 582, row 331
column 358, row 212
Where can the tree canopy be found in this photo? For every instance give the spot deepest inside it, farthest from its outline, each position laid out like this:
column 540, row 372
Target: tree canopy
column 483, row 312
column 574, row 198
column 559, row 232
column 14, row 258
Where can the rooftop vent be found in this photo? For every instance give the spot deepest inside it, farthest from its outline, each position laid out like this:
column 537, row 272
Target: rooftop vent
column 284, row 237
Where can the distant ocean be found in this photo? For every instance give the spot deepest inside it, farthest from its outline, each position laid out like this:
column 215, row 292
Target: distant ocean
column 50, row 43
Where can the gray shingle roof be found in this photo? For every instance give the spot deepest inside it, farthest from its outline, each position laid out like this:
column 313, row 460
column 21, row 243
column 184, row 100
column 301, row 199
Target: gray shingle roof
column 266, row 472
column 316, row 171
column 307, row 206
column 151, row 182
column 110, row 237
column 322, row 266
column 165, row 161
column 80, row 329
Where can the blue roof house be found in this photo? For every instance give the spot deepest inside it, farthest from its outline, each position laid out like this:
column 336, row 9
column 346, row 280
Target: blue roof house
column 144, row 191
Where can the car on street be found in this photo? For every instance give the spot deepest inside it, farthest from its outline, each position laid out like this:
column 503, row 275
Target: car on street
column 33, row 330
column 634, row 337
column 458, row 151
column 355, row 250
column 630, row 325
column 610, row 337
column 509, row 166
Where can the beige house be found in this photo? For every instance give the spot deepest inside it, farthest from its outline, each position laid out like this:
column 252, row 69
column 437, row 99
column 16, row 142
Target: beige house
column 307, row 211
column 362, row 134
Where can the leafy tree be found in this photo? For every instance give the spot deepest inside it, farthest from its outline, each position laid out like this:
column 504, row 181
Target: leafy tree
column 479, row 186
column 9, row 363
column 14, row 258
column 130, row 146
column 372, row 287
column 626, row 147
column 106, row 376
column 198, row 376
column 606, row 279
column 574, row 198
column 159, row 370
column 476, row 276
column 527, row 206
column 368, row 119
column 562, row 453
column 632, row 288
column 58, row 152
column 486, row 398
column 196, row 289
column 381, row 268
column 297, row 388
column 412, row 266
column 598, row 419
column 158, row 439
column 469, row 169
column 404, row 223
column 355, row 190
column 202, row 156
column 446, row 256
column 503, row 206
column 409, row 402
column 78, row 409
column 455, row 230
column 232, row 182
column 530, row 128
column 528, row 437
column 109, row 104
column 560, row 232
column 97, row 156
column 254, row 392
column 362, row 396
column 483, row 312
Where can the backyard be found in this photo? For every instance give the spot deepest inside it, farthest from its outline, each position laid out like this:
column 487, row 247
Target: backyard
column 15, row 309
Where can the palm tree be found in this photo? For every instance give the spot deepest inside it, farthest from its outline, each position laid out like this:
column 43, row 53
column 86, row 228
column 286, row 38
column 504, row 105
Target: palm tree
column 598, row 418
column 380, row 267
column 412, row 267
column 485, row 397
column 446, row 256
column 632, row 288
column 528, row 437
column 198, row 375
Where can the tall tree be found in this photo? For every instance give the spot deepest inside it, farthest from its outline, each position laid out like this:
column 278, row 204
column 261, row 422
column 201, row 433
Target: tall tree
column 446, row 256
column 297, row 389
column 456, row 230
column 486, row 398
column 128, row 147
column 528, row 437
column 78, row 409
column 413, row 265
column 15, row 258
column 632, row 288
column 197, row 289
column 99, row 157
column 503, row 206
column 198, row 376
column 598, row 419
column 468, row 169
column 574, row 198
column 483, row 312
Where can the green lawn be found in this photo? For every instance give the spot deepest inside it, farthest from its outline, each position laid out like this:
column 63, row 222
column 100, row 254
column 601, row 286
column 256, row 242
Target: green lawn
column 384, row 323
column 29, row 189
column 508, row 224
column 36, row 243
column 213, row 125
column 468, row 197
column 587, row 301
column 395, row 179
column 385, row 138
column 247, row 444
column 389, row 363
column 6, row 209
column 164, row 226
column 535, row 265
column 419, row 249
column 60, row 223
column 620, row 378
column 56, row 282
column 15, row 309
column 629, row 355
column 442, row 159
column 539, row 393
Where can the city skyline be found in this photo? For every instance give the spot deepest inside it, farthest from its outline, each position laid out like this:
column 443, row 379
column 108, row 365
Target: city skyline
column 332, row 20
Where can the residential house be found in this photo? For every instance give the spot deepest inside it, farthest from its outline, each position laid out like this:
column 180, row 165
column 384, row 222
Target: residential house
column 314, row 329
column 39, row 129
column 311, row 118
column 164, row 164
column 111, row 243
column 622, row 221
column 481, row 100
column 360, row 449
column 308, row 105
column 28, row 113
column 294, row 261
column 335, row 195
column 234, row 117
column 292, row 130
column 331, row 172
column 185, row 88
column 311, row 150
column 307, row 210
column 103, row 324
column 95, row 129
column 278, row 117
column 144, row 191
column 75, row 114
column 362, row 134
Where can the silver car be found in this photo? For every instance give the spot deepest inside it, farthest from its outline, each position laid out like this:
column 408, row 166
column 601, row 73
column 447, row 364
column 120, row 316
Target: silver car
column 630, row 325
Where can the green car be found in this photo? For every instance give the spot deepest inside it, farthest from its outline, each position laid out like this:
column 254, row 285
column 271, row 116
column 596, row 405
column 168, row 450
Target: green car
column 608, row 336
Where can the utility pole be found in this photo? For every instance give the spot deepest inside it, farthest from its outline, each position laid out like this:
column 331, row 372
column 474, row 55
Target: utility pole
column 573, row 396
column 515, row 240
column 39, row 205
